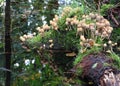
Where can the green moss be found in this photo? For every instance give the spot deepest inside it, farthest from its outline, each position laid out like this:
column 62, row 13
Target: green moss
column 89, row 51
column 36, row 40
column 116, row 59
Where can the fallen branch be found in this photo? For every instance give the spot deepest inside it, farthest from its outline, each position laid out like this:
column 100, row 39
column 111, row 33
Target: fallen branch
column 114, row 19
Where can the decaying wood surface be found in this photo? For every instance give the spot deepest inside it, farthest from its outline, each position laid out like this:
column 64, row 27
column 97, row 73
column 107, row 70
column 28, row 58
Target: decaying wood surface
column 109, row 78
column 97, row 68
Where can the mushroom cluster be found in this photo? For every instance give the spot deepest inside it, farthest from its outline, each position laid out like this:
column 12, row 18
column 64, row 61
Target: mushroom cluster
column 96, row 24
column 66, row 10
column 42, row 29
column 54, row 22
column 72, row 21
column 51, row 43
column 88, row 27
column 27, row 36
column 91, row 27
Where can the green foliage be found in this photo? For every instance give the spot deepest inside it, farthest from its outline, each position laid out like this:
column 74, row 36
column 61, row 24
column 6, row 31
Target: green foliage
column 61, row 23
column 76, row 12
column 38, row 39
column 24, row 20
column 116, row 58
column 34, row 40
column 105, row 7
column 116, row 35
column 46, row 7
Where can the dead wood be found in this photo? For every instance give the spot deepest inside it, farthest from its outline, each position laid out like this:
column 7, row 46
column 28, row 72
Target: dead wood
column 97, row 68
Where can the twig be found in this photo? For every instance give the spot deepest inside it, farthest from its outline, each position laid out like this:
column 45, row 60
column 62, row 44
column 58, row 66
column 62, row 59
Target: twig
column 88, row 4
column 113, row 18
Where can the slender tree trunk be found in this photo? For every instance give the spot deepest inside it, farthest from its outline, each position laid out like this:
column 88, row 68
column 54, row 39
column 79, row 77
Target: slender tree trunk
column 7, row 42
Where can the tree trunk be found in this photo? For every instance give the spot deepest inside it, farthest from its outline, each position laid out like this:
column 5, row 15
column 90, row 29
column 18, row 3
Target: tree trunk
column 7, row 42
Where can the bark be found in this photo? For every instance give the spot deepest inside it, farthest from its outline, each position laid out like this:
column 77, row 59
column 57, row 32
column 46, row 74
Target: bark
column 98, row 69
column 7, row 42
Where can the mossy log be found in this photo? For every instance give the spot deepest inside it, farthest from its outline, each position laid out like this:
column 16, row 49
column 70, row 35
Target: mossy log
column 98, row 69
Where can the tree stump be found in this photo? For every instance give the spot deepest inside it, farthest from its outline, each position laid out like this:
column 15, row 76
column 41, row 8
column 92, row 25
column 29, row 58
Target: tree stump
column 98, row 69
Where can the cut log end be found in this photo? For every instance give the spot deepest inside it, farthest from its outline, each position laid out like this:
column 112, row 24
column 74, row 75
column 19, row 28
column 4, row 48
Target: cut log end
column 109, row 78
column 98, row 69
